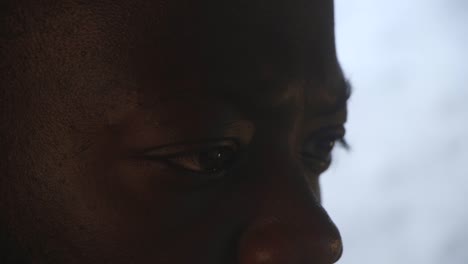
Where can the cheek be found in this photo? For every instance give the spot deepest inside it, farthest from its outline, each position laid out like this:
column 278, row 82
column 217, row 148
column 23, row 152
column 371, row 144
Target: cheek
column 316, row 190
column 313, row 182
column 54, row 198
column 141, row 204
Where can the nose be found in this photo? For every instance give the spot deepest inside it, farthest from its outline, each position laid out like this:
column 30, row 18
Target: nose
column 289, row 226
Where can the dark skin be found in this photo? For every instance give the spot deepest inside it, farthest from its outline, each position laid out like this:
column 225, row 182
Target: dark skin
column 168, row 132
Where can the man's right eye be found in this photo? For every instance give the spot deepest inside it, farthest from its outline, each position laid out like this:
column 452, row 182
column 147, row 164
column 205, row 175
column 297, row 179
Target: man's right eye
column 211, row 159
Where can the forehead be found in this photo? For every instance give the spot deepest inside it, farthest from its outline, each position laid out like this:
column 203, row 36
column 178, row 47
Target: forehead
column 237, row 40
column 237, row 48
column 241, row 48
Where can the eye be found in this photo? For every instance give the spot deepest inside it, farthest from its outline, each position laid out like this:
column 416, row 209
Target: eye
column 317, row 149
column 211, row 159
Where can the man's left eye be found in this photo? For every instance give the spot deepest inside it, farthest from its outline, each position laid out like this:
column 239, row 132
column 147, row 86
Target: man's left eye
column 318, row 149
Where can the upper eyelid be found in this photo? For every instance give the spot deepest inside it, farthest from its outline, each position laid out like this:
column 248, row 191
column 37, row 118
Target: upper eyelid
column 173, row 150
column 338, row 131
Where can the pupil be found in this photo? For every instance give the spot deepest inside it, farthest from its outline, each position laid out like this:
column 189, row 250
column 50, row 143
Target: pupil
column 216, row 159
column 326, row 145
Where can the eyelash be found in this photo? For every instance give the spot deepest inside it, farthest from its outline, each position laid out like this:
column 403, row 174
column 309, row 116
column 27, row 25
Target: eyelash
column 189, row 160
column 320, row 157
column 196, row 157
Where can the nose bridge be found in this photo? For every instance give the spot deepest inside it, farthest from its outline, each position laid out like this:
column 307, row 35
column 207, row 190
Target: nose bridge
column 280, row 181
column 288, row 225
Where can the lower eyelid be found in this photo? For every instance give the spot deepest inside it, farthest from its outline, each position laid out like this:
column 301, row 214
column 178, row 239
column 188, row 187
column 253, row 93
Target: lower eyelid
column 317, row 164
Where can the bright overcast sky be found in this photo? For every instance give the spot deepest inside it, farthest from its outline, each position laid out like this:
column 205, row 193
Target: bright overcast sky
column 400, row 196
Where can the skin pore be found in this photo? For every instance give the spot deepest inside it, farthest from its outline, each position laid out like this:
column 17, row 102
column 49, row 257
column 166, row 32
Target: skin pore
column 153, row 131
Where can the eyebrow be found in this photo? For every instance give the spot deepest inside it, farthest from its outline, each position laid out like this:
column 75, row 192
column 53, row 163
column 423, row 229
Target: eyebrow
column 342, row 101
column 250, row 105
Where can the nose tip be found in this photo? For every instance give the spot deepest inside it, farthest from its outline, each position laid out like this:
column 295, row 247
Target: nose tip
column 287, row 224
column 275, row 240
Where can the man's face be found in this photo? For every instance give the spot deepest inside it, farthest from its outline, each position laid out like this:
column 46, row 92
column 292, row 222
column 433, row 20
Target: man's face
column 170, row 131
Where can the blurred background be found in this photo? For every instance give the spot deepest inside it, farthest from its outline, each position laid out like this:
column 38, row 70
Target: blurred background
column 401, row 194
